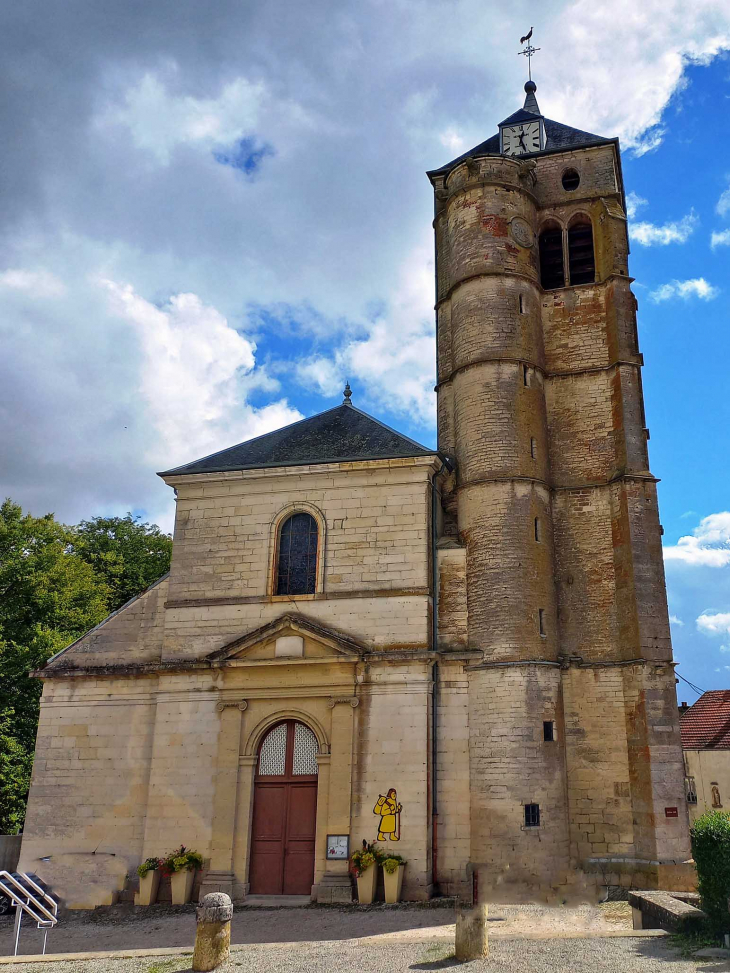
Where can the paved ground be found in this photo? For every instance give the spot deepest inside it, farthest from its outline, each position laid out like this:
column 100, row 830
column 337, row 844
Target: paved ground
column 143, row 928
column 506, row 956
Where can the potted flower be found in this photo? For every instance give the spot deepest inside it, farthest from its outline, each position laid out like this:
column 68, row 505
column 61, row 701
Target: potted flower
column 365, row 865
column 393, row 868
column 180, row 865
column 149, row 882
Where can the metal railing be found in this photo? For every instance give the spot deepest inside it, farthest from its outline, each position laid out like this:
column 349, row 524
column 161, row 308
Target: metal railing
column 29, row 897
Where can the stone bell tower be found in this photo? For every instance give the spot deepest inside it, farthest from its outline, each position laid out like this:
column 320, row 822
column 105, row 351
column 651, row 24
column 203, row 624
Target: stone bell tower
column 574, row 751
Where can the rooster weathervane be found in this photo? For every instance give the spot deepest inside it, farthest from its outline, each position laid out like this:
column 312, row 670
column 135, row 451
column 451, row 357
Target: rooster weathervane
column 528, row 51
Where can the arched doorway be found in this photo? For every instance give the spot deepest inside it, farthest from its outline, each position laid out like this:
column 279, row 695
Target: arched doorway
column 284, row 811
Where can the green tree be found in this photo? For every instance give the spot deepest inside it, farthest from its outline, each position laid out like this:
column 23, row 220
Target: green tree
column 128, row 554
column 48, row 598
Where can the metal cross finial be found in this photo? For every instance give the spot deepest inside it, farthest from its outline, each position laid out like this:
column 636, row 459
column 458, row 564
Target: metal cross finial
column 528, row 52
column 348, row 394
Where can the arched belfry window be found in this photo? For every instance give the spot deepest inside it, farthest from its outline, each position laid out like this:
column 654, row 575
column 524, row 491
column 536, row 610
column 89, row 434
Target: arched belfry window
column 552, row 273
column 581, row 261
column 296, row 569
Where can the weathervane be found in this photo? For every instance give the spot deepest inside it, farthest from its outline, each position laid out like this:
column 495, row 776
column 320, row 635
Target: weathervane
column 528, row 52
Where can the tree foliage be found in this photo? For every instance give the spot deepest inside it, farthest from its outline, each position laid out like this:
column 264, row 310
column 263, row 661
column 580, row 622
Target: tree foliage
column 711, row 852
column 56, row 583
column 128, row 554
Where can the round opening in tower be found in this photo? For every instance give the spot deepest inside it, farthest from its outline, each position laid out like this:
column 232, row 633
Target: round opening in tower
column 571, row 180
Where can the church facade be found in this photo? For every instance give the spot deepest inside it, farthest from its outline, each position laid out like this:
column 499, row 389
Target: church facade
column 463, row 653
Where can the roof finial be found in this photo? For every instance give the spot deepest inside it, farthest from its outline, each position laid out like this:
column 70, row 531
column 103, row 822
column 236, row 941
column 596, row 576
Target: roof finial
column 348, row 394
column 528, row 52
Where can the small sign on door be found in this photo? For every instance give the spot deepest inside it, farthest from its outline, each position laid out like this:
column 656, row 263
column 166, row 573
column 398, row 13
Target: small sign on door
column 338, row 847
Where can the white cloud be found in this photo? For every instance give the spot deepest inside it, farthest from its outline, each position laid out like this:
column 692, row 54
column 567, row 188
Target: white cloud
column 725, row 648
column 720, row 238
column 673, row 620
column 707, row 546
column 634, row 202
column 39, row 283
column 190, row 375
column 453, row 141
column 159, row 120
column 685, row 289
column 678, row 231
column 714, row 623
column 649, row 141
column 723, row 203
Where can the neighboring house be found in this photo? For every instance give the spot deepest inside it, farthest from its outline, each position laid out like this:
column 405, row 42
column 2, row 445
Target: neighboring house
column 705, row 729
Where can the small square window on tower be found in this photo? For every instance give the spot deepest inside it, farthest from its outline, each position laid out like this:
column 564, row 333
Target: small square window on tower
column 532, row 815
column 525, row 375
column 522, row 305
column 548, row 731
column 537, row 529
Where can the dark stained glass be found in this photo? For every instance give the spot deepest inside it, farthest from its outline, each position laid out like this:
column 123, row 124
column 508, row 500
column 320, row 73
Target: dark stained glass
column 297, row 567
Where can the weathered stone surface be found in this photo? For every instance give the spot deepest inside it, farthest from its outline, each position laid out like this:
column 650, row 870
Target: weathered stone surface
column 472, row 941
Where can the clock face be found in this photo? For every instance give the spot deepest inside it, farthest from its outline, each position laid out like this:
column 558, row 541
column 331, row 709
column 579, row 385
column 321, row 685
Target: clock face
column 519, row 139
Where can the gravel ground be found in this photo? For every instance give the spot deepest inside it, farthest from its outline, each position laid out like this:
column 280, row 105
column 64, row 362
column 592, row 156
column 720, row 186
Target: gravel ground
column 506, row 956
column 126, row 927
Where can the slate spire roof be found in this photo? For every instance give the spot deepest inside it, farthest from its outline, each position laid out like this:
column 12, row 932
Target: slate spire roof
column 342, row 434
column 706, row 725
column 558, row 137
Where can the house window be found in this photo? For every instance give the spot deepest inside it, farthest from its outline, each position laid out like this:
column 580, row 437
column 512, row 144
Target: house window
column 552, row 273
column 580, row 253
column 296, row 572
column 690, row 790
column 532, row 815
column 548, row 731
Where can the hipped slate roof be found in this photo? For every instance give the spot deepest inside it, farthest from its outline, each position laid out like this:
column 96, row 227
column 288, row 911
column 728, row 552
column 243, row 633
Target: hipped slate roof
column 558, row 138
column 342, row 434
column 706, row 725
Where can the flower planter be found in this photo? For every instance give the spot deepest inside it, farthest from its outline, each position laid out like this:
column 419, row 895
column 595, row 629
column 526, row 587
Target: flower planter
column 181, row 884
column 393, row 883
column 366, row 883
column 148, row 887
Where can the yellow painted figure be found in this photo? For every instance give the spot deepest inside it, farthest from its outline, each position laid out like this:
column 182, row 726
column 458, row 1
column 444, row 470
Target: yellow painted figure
column 389, row 810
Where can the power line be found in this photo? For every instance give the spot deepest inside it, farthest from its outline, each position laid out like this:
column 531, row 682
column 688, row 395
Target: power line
column 690, row 684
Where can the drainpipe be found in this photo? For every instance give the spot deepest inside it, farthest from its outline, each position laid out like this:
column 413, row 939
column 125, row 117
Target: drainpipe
column 435, row 674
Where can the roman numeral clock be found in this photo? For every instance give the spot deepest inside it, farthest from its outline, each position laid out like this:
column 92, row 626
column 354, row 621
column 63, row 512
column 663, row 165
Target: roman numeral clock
column 522, row 133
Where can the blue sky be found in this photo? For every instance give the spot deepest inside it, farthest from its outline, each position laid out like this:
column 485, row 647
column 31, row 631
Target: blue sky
column 210, row 222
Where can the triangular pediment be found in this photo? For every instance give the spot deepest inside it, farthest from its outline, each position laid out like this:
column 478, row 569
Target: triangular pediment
column 278, row 641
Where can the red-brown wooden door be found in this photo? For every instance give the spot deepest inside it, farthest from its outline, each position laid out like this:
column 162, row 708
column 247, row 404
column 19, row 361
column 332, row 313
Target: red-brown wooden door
column 284, row 812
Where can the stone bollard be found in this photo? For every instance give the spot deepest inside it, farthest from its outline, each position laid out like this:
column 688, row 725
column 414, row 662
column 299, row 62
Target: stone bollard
column 213, row 936
column 471, row 932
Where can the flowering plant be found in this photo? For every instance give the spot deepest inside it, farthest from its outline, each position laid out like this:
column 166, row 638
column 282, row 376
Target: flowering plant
column 365, row 858
column 179, row 860
column 147, row 866
column 392, row 862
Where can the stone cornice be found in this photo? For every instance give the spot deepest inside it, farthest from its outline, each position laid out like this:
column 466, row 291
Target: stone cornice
column 427, row 461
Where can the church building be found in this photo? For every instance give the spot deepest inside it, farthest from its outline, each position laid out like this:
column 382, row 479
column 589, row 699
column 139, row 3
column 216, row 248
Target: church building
column 462, row 652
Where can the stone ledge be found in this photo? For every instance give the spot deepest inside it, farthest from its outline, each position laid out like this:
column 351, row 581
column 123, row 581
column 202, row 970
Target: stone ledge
column 660, row 910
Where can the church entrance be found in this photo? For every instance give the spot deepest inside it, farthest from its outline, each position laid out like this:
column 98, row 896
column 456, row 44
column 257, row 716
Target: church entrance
column 284, row 812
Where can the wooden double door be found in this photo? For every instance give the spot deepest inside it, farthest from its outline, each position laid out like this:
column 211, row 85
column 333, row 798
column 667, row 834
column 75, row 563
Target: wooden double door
column 284, row 812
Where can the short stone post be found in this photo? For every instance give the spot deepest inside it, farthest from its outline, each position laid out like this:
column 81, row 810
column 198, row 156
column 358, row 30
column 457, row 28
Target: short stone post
column 472, row 941
column 213, row 936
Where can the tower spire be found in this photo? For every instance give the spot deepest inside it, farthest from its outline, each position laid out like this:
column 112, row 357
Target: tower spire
column 530, row 99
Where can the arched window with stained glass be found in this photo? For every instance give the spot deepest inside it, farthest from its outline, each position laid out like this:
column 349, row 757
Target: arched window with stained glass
column 296, row 569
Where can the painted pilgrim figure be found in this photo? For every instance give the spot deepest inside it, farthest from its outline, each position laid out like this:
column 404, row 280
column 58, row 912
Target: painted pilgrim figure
column 389, row 810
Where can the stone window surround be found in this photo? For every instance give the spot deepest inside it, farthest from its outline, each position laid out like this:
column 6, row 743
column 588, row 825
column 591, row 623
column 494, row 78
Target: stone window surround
column 564, row 226
column 274, row 531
